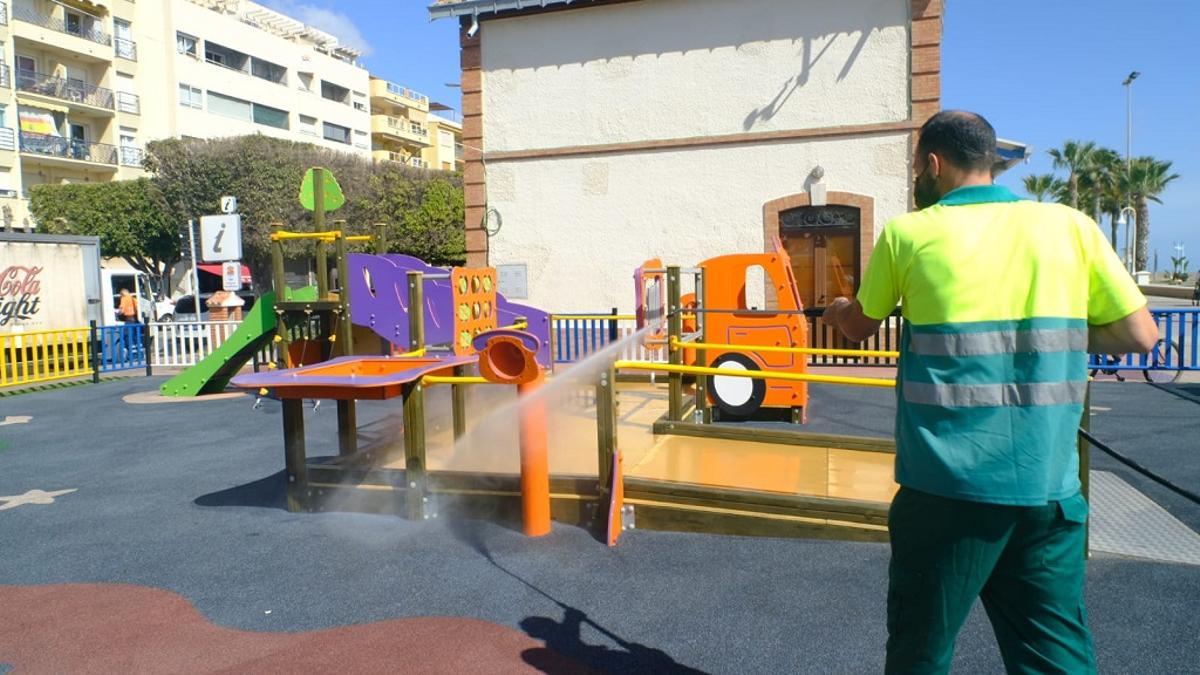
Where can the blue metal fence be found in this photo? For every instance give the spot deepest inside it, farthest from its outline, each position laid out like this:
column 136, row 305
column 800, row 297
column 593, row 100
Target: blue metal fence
column 577, row 335
column 121, row 347
column 1178, row 348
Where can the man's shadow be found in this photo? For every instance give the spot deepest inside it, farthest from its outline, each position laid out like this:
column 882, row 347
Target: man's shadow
column 564, row 638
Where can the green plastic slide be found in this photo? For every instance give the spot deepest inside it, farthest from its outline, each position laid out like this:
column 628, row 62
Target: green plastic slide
column 256, row 330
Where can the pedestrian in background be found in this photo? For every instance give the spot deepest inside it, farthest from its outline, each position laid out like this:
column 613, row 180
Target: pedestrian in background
column 1003, row 299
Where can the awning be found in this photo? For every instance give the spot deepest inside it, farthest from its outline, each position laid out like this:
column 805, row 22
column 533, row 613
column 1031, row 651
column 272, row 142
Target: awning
column 216, row 269
column 1009, row 154
column 37, row 103
column 96, row 9
column 35, row 121
column 454, row 8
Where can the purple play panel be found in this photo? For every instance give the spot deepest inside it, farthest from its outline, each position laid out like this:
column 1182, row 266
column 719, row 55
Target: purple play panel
column 379, row 301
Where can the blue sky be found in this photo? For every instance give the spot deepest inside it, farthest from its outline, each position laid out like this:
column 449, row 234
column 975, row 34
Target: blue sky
column 1042, row 71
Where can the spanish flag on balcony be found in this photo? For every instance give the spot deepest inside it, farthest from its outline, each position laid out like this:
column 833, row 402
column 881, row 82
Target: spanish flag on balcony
column 37, row 121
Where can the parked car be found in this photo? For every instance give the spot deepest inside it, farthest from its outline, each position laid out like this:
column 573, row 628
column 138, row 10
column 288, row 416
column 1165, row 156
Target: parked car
column 185, row 306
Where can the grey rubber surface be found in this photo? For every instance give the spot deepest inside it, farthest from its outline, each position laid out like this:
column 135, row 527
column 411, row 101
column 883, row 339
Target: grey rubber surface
column 188, row 498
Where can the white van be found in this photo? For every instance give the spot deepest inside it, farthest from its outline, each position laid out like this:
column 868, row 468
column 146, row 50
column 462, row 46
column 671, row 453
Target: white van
column 138, row 283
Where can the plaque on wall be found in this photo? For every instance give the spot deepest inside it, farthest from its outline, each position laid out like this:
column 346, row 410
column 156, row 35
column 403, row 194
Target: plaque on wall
column 512, row 281
column 807, row 217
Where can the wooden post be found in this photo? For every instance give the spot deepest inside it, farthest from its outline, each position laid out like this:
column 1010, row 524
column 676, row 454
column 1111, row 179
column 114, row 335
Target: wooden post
column 319, row 226
column 613, row 333
column 702, row 410
column 674, row 332
column 295, row 462
column 381, row 242
column 413, row 396
column 458, row 404
column 414, row 406
column 416, row 311
column 606, row 425
column 282, row 358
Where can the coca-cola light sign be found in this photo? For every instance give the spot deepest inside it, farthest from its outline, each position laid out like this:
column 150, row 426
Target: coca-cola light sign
column 20, row 294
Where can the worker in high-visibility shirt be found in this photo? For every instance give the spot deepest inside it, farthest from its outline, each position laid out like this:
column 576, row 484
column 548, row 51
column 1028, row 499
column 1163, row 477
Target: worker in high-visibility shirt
column 1003, row 298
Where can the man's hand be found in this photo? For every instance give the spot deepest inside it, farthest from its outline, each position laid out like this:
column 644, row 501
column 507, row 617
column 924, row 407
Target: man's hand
column 847, row 316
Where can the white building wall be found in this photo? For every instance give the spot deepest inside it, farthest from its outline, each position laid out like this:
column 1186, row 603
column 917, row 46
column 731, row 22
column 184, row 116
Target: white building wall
column 674, row 69
column 582, row 225
column 680, row 68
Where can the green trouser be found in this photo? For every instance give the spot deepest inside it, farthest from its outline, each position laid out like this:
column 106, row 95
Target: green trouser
column 1025, row 562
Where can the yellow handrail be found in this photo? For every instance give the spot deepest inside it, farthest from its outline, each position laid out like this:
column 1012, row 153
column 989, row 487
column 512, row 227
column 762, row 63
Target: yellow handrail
column 453, row 379
column 520, row 325
column 754, row 374
column 865, row 353
column 360, row 237
column 281, row 235
column 592, row 317
column 413, row 354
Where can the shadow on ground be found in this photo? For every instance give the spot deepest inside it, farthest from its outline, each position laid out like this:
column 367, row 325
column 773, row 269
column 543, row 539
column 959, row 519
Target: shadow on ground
column 269, row 492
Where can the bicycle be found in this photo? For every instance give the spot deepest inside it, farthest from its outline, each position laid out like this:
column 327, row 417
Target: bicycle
column 1162, row 363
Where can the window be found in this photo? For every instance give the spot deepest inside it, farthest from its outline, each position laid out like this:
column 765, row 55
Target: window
column 272, row 117
column 229, row 106
column 361, row 140
column 360, row 102
column 305, row 81
column 131, row 155
column 334, row 92
column 190, row 97
column 337, row 133
column 268, row 71
column 186, row 44
column 224, row 56
column 123, row 40
column 308, row 125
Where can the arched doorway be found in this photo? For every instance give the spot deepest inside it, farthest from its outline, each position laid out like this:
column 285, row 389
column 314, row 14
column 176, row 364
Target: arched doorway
column 828, row 244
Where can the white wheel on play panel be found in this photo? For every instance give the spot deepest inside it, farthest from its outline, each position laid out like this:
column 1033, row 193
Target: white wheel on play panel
column 736, row 396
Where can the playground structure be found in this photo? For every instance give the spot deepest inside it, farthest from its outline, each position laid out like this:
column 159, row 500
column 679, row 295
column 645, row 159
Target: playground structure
column 441, row 327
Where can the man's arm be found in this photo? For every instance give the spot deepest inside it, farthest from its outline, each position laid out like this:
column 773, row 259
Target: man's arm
column 847, row 316
column 1135, row 333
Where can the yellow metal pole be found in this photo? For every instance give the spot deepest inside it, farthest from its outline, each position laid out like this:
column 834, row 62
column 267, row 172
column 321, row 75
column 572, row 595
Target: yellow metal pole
column 865, row 353
column 754, row 374
column 453, row 379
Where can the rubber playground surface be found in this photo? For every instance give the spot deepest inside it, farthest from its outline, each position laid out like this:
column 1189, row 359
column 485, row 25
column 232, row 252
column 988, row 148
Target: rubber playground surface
column 154, row 538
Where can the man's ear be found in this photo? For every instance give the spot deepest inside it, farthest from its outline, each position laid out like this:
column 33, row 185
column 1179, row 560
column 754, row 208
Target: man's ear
column 934, row 164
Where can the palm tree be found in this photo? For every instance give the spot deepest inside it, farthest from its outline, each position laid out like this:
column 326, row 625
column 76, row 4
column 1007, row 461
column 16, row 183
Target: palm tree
column 1104, row 168
column 1041, row 185
column 1076, row 157
column 1147, row 179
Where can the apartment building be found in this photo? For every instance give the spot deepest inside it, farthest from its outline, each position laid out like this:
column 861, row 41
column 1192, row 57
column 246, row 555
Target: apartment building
column 236, row 68
column 84, row 84
column 406, row 128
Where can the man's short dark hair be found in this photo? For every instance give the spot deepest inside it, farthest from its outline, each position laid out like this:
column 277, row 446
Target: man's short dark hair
column 965, row 139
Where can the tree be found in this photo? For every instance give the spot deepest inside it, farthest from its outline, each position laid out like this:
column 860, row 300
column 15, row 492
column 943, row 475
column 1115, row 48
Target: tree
column 1040, row 186
column 264, row 174
column 1102, row 171
column 1076, row 157
column 1146, row 180
column 130, row 217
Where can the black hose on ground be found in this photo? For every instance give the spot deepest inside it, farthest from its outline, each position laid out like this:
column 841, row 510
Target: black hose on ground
column 1182, row 492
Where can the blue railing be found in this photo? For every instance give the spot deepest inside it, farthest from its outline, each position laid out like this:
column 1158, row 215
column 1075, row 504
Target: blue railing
column 576, row 336
column 121, row 347
column 1178, row 348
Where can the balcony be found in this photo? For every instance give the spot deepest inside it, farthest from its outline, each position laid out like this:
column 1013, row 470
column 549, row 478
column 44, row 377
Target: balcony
column 125, row 49
column 80, row 29
column 72, row 91
column 399, row 128
column 399, row 95
column 3, row 14
column 131, row 156
column 58, row 147
column 129, row 103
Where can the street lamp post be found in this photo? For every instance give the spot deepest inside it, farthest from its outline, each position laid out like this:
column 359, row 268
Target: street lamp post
column 1127, row 257
column 1128, row 84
